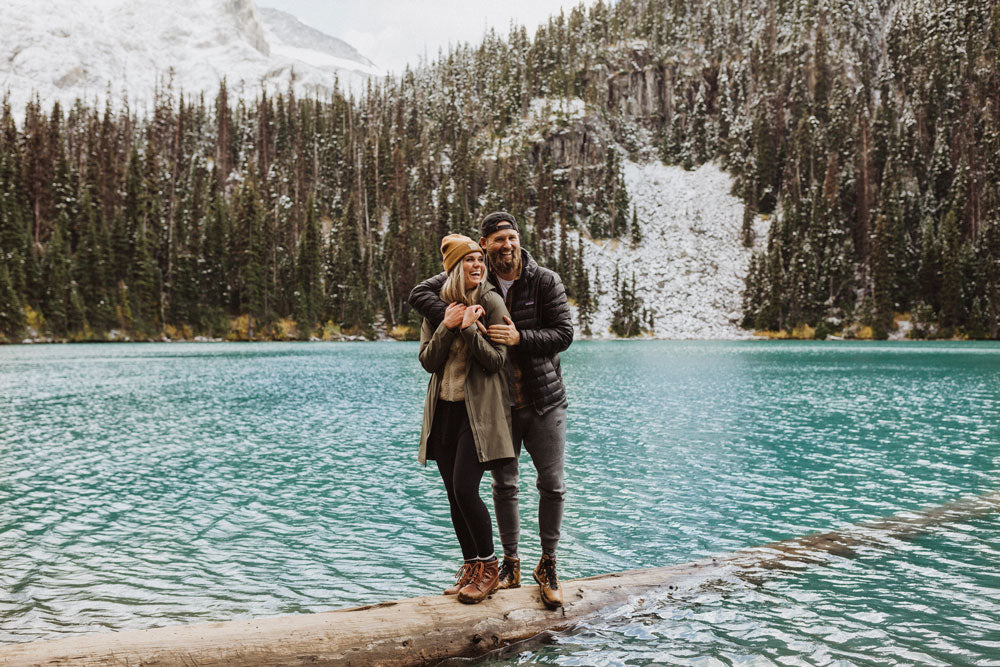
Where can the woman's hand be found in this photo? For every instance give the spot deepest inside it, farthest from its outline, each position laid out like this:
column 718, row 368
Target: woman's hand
column 472, row 315
column 453, row 315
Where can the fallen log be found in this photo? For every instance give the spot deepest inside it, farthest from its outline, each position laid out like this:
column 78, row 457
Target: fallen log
column 427, row 629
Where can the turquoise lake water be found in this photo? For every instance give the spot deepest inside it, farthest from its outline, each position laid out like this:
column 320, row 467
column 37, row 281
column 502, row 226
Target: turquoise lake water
column 146, row 485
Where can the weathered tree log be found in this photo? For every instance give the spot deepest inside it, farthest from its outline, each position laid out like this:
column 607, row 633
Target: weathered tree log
column 421, row 630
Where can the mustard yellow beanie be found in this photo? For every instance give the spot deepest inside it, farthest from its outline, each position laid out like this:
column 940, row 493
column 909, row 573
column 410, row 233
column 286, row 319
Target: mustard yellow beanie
column 454, row 247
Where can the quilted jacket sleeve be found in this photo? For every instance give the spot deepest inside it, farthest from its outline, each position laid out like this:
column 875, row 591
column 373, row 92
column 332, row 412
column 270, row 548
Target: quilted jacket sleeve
column 555, row 331
column 425, row 298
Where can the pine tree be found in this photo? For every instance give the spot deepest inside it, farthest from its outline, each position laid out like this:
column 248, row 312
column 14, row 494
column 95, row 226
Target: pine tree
column 976, row 329
column 747, row 231
column 310, row 294
column 58, row 282
column 636, row 231
column 952, row 307
column 929, row 271
column 627, row 316
column 11, row 308
column 882, row 316
column 216, row 264
column 144, row 288
column 581, row 282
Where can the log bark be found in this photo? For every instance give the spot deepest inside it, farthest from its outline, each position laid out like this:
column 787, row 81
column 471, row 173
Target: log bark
column 423, row 630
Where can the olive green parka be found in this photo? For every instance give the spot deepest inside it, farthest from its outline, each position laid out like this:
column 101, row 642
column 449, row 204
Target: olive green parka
column 487, row 397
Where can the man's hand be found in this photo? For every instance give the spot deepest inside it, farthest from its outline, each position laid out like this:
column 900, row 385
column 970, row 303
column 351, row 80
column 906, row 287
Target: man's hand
column 453, row 315
column 472, row 315
column 506, row 334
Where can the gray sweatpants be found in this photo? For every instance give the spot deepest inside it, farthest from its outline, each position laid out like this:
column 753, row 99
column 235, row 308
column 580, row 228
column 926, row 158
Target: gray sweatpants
column 544, row 436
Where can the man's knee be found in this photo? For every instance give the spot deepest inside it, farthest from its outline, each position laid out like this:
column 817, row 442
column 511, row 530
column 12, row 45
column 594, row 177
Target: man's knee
column 504, row 490
column 505, row 482
column 550, row 485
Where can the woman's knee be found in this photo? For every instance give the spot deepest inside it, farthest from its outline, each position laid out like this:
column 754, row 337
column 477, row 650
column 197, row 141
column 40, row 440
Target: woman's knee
column 466, row 492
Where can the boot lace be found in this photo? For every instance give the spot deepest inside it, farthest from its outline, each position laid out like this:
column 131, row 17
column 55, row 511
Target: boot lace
column 506, row 570
column 476, row 572
column 549, row 574
column 464, row 573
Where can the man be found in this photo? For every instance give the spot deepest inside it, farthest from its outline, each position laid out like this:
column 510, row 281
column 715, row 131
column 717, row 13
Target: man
column 540, row 327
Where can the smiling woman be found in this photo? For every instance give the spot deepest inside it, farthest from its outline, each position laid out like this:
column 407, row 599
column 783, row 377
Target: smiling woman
column 467, row 427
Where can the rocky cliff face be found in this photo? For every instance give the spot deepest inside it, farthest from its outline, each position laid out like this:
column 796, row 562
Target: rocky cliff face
column 639, row 90
column 248, row 23
column 634, row 97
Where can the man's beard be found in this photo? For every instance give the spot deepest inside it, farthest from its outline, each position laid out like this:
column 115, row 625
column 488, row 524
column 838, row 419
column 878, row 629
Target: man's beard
column 506, row 265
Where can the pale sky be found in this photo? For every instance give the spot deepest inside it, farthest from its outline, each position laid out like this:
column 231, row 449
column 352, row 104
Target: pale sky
column 392, row 33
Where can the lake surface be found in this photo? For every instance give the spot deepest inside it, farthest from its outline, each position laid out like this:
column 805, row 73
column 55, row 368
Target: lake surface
column 146, row 485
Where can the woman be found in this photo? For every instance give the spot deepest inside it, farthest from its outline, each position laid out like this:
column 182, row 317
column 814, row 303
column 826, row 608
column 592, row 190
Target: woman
column 466, row 425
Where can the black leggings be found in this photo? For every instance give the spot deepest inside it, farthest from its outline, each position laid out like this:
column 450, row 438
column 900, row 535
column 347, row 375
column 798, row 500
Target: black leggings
column 455, row 452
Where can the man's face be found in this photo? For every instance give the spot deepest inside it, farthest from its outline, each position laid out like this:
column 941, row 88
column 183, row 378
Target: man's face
column 503, row 247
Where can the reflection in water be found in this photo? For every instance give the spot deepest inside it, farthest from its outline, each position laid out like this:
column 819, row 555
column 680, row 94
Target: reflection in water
column 146, row 485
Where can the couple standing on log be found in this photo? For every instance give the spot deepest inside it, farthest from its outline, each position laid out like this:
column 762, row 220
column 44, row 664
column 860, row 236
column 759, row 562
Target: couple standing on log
column 492, row 349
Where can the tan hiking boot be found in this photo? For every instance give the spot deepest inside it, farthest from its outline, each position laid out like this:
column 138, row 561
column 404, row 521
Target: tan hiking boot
column 548, row 582
column 482, row 584
column 462, row 577
column 510, row 573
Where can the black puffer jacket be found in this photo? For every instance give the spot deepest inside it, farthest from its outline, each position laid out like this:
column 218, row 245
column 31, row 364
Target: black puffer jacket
column 538, row 307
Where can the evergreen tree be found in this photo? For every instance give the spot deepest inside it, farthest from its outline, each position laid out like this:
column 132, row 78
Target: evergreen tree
column 952, row 307
column 310, row 294
column 58, row 283
column 11, row 308
column 581, row 282
column 627, row 316
column 882, row 317
column 144, row 290
column 636, row 231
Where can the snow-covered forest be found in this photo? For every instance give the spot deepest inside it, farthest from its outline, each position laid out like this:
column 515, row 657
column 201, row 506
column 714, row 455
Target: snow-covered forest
column 866, row 132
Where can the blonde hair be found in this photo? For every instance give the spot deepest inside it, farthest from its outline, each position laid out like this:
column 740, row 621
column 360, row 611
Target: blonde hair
column 454, row 287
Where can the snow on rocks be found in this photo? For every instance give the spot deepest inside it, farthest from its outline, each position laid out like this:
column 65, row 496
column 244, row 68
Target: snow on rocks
column 690, row 266
column 555, row 111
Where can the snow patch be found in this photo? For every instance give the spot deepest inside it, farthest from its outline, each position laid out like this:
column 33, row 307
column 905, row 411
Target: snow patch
column 691, row 263
column 556, row 110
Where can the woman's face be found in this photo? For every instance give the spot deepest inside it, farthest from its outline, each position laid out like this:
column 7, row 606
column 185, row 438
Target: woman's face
column 474, row 268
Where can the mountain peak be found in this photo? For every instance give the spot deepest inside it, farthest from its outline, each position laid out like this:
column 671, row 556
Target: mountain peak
column 291, row 30
column 73, row 50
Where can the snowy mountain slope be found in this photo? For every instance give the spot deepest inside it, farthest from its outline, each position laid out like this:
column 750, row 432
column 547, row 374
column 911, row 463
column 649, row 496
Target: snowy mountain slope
column 291, row 37
column 689, row 268
column 74, row 49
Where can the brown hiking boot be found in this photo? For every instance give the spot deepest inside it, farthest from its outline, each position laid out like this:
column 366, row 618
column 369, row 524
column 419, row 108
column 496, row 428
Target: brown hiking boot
column 462, row 577
column 510, row 573
column 548, row 582
column 482, row 584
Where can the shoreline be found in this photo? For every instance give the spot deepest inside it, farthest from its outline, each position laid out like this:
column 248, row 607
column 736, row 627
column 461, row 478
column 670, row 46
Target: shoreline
column 753, row 337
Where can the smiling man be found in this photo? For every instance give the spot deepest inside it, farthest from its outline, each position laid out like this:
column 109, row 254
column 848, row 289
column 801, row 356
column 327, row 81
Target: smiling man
column 540, row 327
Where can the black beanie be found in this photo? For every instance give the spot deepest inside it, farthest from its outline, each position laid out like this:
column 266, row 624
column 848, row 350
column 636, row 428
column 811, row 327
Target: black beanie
column 495, row 222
